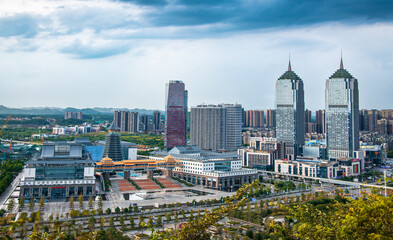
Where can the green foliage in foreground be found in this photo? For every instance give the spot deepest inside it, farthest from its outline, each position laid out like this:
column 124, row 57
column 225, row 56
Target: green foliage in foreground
column 8, row 169
column 367, row 218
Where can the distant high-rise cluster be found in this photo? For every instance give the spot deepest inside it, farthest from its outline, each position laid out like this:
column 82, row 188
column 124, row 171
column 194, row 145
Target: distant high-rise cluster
column 73, row 115
column 127, row 121
column 380, row 121
column 145, row 122
column 270, row 118
column 216, row 127
column 289, row 109
column 254, row 118
column 320, row 119
column 176, row 114
column 157, row 120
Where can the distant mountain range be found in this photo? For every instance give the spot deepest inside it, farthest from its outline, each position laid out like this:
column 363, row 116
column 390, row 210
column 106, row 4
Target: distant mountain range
column 60, row 111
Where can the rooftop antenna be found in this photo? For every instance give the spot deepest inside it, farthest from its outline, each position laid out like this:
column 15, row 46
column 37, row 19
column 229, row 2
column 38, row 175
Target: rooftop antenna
column 289, row 64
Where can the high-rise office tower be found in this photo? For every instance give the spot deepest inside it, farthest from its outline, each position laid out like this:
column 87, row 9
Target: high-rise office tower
column 270, row 118
column 176, row 113
column 113, row 144
column 342, row 114
column 145, row 122
column 216, row 127
column 289, row 106
column 320, row 118
column 156, row 120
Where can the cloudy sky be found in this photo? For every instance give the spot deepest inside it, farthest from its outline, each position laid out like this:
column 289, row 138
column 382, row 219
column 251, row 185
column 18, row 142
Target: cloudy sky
column 112, row 53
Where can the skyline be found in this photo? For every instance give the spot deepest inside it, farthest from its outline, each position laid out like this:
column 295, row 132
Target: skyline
column 76, row 53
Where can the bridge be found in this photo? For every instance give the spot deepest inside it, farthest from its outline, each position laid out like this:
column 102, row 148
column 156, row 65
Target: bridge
column 326, row 180
column 106, row 165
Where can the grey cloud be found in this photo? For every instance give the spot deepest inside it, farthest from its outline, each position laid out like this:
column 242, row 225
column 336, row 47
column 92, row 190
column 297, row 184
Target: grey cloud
column 245, row 15
column 88, row 51
column 19, row 25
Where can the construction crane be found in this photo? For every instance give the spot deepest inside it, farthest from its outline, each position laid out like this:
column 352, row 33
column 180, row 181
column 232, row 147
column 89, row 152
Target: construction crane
column 5, row 124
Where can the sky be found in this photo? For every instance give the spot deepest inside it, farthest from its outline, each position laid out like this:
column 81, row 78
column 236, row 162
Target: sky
column 113, row 53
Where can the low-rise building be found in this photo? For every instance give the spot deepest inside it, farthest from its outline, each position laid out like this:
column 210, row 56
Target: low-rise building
column 216, row 170
column 263, row 160
column 74, row 130
column 314, row 167
column 268, row 143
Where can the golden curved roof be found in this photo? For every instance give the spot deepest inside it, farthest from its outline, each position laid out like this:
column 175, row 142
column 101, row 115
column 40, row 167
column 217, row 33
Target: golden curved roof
column 169, row 159
column 107, row 162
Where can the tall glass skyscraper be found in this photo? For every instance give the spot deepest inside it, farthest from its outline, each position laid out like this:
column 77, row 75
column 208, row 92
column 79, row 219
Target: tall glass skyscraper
column 342, row 114
column 176, row 114
column 289, row 110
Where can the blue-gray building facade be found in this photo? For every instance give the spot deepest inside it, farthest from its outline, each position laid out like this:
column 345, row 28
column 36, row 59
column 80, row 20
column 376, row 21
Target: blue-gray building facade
column 342, row 114
column 289, row 112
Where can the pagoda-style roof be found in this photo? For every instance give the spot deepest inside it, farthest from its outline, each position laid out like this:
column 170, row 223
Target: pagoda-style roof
column 107, row 162
column 341, row 72
column 169, row 159
column 291, row 75
column 113, row 127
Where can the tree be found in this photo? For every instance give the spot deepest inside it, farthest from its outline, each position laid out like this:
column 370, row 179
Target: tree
column 11, row 204
column 111, row 222
column 71, row 203
column 117, row 210
column 42, row 202
column 176, row 220
column 141, row 220
column 122, row 223
column 365, row 218
column 100, row 202
column 132, row 222
column 159, row 220
column 250, row 233
column 102, row 223
column 22, row 202
column 92, row 222
column 80, row 200
column 168, row 217
column 91, row 202
column 108, row 211
column 191, row 217
column 31, row 204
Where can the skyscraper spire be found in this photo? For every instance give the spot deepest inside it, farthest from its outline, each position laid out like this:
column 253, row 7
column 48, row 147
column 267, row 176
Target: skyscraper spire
column 289, row 64
column 341, row 63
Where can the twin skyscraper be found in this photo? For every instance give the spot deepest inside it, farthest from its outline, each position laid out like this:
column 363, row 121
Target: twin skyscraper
column 341, row 109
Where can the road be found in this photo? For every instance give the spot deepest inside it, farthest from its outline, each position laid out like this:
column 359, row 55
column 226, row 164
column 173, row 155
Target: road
column 5, row 195
column 327, row 180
